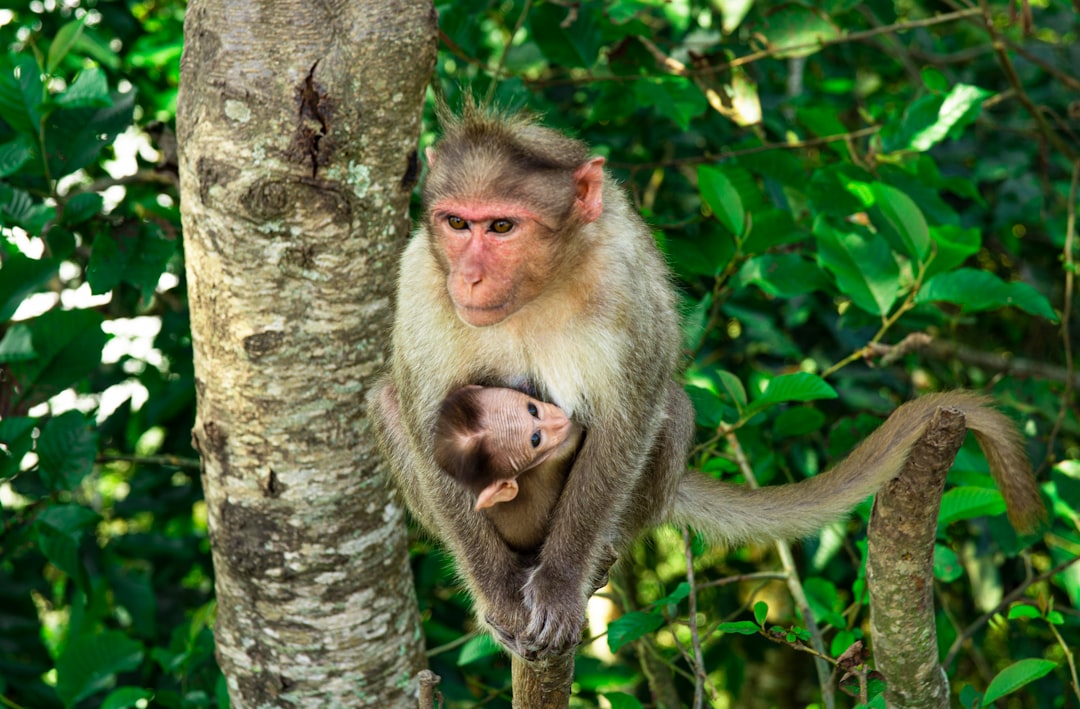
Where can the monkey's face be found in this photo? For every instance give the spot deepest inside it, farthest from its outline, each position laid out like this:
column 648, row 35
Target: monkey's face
column 498, row 257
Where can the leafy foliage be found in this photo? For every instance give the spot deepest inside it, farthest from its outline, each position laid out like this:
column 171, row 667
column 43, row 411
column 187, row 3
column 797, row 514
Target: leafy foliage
column 833, row 184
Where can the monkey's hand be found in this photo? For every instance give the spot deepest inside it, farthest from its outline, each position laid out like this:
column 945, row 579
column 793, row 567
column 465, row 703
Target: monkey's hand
column 556, row 608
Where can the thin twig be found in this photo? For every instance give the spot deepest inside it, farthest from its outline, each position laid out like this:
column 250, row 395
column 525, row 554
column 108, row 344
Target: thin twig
column 794, row 584
column 1013, row 595
column 170, row 460
column 506, row 50
column 695, row 638
column 1066, row 308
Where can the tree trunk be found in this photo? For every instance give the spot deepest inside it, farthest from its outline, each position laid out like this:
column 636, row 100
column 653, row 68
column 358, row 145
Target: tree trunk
column 900, row 568
column 298, row 124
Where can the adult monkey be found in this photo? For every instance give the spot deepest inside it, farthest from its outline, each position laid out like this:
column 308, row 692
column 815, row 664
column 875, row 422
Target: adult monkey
column 530, row 270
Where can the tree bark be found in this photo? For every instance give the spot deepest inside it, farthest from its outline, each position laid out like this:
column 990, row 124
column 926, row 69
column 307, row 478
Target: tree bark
column 298, row 126
column 899, row 569
column 543, row 684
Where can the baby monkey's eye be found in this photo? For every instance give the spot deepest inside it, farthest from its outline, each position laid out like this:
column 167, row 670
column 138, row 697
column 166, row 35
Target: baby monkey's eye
column 457, row 222
column 501, row 226
column 535, row 440
column 532, row 410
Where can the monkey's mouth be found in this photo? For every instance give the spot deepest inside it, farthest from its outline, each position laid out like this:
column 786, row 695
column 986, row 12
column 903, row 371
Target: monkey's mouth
column 482, row 315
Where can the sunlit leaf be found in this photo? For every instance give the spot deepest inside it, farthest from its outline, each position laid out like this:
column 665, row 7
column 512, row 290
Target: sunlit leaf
column 800, row 386
column 65, row 39
column 797, row 31
column 975, row 290
column 947, row 566
column 477, row 648
column 898, row 216
column 631, row 627
column 89, row 90
column 1015, row 676
column 863, row 264
column 722, row 197
column 968, row 502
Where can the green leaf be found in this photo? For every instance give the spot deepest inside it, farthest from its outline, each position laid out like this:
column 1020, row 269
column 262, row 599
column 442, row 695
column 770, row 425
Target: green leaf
column 674, row 97
column 797, row 31
column 619, row 700
column 477, row 648
column 681, row 592
column 631, row 627
column 89, row 90
column 863, row 265
column 798, row 421
column 66, row 450
column 761, row 612
column 783, row 275
column 82, row 207
column 19, row 277
column 708, row 409
column 75, row 136
column 931, row 119
column 1016, row 676
column 15, row 153
column 954, row 246
column 770, row 228
column 565, row 38
column 975, row 290
column 968, row 502
column 694, row 321
column 68, row 345
column 18, row 208
column 126, row 698
column 62, row 43
column 741, row 627
column 934, row 80
column 723, row 199
column 59, row 531
column 947, row 567
column 1023, row 610
column 21, row 94
column 17, row 345
column 88, row 663
column 733, row 387
column 135, row 255
column 898, row 217
column 800, row 386
column 17, row 437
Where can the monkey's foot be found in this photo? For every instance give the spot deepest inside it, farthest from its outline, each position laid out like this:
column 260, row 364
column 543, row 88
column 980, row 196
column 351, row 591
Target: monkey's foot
column 556, row 617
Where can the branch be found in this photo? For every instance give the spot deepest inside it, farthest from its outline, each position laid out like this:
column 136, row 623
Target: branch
column 899, row 568
column 542, row 684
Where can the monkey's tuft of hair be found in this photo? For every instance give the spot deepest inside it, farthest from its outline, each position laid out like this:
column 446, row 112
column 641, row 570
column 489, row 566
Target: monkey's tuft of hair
column 460, row 448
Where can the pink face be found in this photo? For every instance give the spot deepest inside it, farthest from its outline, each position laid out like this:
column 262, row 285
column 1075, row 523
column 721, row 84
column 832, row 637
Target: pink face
column 501, row 254
column 497, row 259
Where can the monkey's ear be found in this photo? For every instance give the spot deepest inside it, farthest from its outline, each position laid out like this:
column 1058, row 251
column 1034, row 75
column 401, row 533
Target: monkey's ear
column 429, row 153
column 496, row 492
column 590, row 189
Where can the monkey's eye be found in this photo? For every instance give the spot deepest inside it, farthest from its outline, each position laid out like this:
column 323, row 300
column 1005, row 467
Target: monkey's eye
column 501, row 226
column 457, row 222
column 535, row 440
column 532, row 410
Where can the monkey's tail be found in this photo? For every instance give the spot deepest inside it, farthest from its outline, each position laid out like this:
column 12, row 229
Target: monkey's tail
column 732, row 514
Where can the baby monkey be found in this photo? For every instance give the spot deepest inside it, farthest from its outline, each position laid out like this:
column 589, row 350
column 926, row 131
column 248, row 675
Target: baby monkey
column 486, row 438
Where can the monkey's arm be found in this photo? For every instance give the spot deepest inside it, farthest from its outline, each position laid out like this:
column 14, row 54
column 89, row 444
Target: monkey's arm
column 732, row 514
column 617, row 487
column 493, row 572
